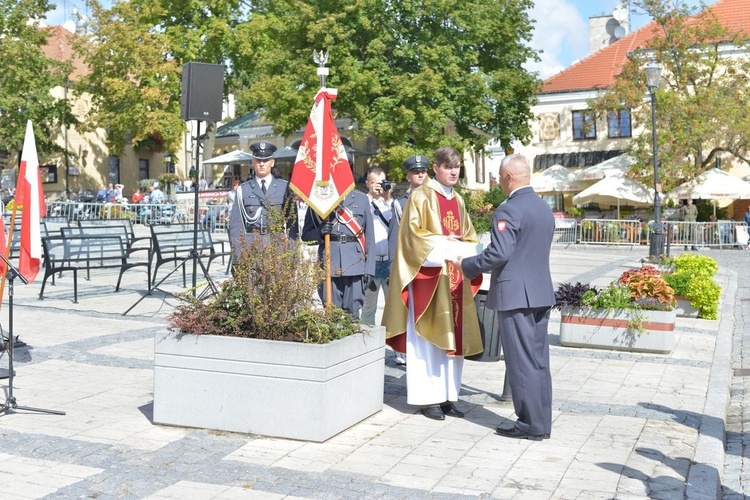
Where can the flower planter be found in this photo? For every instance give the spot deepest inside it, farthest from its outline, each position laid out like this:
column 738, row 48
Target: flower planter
column 284, row 389
column 684, row 309
column 603, row 329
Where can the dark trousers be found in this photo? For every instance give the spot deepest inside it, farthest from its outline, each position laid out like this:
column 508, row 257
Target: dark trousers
column 346, row 293
column 523, row 333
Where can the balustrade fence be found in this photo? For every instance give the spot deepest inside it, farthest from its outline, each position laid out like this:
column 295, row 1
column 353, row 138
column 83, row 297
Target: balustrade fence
column 213, row 217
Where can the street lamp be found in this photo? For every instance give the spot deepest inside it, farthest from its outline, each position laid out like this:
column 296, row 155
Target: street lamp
column 656, row 248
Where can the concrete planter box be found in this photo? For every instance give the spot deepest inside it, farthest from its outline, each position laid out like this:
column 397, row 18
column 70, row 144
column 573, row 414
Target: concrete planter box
column 602, row 329
column 273, row 388
column 684, row 309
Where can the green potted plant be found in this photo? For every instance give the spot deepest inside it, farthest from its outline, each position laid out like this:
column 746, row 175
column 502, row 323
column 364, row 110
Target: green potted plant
column 262, row 357
column 635, row 313
column 692, row 277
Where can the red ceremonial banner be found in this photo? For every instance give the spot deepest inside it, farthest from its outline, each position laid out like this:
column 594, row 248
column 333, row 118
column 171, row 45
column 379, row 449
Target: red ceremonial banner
column 322, row 176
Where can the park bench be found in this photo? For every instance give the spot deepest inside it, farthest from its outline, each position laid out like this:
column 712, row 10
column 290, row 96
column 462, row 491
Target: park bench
column 77, row 249
column 175, row 243
column 135, row 243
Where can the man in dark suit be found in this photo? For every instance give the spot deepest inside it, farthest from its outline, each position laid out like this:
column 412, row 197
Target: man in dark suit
column 522, row 293
column 255, row 197
column 352, row 243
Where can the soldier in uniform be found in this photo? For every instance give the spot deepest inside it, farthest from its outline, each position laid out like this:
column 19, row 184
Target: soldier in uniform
column 416, row 173
column 256, row 196
column 352, row 243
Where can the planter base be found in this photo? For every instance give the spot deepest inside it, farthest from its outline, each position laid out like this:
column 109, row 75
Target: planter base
column 601, row 329
column 284, row 389
column 684, row 309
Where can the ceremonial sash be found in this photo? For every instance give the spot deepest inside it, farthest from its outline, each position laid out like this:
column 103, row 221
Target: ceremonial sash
column 345, row 217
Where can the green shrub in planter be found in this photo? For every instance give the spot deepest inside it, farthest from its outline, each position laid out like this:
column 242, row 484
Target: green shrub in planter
column 693, row 278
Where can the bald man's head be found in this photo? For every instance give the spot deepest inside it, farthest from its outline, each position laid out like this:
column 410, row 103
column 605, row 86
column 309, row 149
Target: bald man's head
column 515, row 172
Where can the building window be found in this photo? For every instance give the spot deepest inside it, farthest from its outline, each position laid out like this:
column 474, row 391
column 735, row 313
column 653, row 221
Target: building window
column 584, row 125
column 113, row 175
column 142, row 169
column 619, row 123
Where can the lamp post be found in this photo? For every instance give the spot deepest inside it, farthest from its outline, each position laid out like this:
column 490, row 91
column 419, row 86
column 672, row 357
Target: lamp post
column 656, row 248
column 67, row 155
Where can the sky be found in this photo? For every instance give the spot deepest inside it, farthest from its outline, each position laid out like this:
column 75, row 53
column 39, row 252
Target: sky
column 561, row 30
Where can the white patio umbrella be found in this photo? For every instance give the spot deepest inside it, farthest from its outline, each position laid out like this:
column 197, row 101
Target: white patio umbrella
column 614, row 166
column 236, row 156
column 555, row 179
column 614, row 189
column 711, row 185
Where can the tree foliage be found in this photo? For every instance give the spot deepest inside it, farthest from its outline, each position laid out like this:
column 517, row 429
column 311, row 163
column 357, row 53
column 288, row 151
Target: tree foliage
column 703, row 95
column 27, row 78
column 405, row 70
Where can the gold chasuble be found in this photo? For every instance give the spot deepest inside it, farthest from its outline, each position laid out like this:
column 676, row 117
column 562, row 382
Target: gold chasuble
column 443, row 300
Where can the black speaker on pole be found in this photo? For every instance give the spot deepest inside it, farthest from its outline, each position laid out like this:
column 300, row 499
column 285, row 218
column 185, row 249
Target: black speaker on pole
column 202, row 91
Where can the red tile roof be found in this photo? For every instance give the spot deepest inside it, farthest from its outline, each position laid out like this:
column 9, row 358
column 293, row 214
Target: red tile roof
column 59, row 47
column 598, row 70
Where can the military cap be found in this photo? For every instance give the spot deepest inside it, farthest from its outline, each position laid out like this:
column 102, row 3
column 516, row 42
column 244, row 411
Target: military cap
column 416, row 163
column 262, row 150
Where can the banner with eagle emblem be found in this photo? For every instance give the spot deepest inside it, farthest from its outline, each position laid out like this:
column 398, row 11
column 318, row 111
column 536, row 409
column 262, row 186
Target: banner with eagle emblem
column 322, row 176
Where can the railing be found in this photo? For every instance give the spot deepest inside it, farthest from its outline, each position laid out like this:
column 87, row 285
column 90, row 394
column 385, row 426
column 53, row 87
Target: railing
column 612, row 232
column 214, row 217
column 566, row 231
column 693, row 235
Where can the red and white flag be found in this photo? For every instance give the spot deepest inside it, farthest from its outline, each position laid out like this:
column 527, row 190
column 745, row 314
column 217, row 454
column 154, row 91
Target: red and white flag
column 30, row 196
column 322, row 176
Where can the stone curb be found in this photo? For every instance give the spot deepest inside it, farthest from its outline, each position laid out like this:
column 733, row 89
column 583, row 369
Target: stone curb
column 705, row 475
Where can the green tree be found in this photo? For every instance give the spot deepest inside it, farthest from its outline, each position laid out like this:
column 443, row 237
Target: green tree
column 136, row 54
column 406, row 71
column 702, row 99
column 28, row 76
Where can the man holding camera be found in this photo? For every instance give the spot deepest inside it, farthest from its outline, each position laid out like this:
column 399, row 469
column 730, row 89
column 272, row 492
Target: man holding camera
column 381, row 206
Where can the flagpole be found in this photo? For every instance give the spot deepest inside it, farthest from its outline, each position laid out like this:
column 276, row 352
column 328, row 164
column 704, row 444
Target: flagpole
column 321, row 59
column 7, row 252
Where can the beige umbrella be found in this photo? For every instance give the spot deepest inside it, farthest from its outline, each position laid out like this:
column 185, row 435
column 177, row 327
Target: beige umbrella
column 614, row 166
column 711, row 185
column 236, row 156
column 555, row 179
column 614, row 189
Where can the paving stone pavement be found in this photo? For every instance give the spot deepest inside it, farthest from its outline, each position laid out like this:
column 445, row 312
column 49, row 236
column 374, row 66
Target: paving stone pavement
column 625, row 425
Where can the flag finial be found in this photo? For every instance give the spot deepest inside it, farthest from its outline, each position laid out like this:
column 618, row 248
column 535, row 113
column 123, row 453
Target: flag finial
column 321, row 59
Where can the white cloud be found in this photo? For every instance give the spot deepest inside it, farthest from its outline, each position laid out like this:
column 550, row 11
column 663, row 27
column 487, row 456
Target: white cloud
column 562, row 34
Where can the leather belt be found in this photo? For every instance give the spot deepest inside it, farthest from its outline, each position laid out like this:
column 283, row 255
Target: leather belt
column 343, row 238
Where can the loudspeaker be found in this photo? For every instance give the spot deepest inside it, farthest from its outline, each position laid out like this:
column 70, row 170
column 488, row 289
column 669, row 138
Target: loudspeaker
column 202, row 91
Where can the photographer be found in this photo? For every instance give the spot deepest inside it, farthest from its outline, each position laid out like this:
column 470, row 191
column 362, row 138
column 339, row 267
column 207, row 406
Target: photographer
column 381, row 205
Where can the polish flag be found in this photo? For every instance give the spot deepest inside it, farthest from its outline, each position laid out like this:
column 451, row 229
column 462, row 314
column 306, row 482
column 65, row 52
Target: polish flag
column 322, row 176
column 3, row 246
column 31, row 198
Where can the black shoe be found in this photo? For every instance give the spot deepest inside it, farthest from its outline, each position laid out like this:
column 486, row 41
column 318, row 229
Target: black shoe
column 433, row 412
column 694, row 248
column 518, row 434
column 450, row 410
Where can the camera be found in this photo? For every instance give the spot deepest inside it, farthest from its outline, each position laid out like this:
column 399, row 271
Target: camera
column 386, row 185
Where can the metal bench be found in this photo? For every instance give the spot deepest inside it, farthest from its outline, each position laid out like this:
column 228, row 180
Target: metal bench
column 75, row 250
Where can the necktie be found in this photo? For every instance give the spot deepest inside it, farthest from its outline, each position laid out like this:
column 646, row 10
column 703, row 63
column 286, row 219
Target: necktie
column 263, row 186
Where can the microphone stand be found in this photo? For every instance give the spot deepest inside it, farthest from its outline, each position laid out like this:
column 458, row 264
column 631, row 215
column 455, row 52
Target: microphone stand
column 10, row 402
